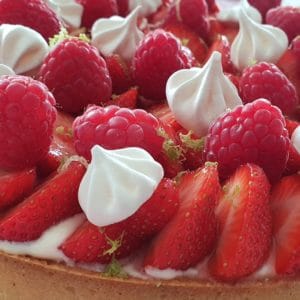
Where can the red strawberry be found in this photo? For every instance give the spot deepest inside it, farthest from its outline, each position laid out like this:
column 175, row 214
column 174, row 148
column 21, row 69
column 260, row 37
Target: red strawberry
column 96, row 9
column 62, row 146
column 293, row 163
column 291, row 125
column 287, row 18
column 27, row 115
column 192, row 13
column 90, row 243
column 14, row 186
column 123, row 7
column 34, row 14
column 191, row 234
column 245, row 220
column 113, row 127
column 212, row 6
column 76, row 74
column 289, row 63
column 189, row 39
column 127, row 99
column 221, row 44
column 266, row 80
column 286, row 224
column 55, row 200
column 158, row 56
column 120, row 73
column 228, row 29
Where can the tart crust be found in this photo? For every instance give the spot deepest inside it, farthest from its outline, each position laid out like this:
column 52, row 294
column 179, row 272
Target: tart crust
column 30, row 278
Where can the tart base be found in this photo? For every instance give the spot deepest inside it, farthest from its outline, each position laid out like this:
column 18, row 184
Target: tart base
column 29, row 278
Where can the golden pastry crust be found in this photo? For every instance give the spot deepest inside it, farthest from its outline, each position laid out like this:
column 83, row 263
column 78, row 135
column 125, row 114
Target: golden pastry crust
column 29, row 278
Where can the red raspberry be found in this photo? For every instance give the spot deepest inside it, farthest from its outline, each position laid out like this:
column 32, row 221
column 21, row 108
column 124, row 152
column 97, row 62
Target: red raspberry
column 34, row 14
column 254, row 133
column 265, row 80
column 158, row 56
column 265, row 5
column 113, row 127
column 192, row 13
column 96, row 9
column 287, row 18
column 27, row 115
column 77, row 75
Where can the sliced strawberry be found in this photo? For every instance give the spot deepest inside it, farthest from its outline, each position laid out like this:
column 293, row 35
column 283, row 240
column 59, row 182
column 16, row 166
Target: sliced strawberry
column 286, row 224
column 228, row 29
column 61, row 147
column 55, row 200
column 90, row 243
column 189, row 39
column 293, row 163
column 14, row 186
column 120, row 73
column 291, row 125
column 127, row 99
column 245, row 225
column 289, row 63
column 221, row 44
column 192, row 232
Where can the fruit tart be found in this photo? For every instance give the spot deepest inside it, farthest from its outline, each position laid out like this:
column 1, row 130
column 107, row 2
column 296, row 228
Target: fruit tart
column 149, row 149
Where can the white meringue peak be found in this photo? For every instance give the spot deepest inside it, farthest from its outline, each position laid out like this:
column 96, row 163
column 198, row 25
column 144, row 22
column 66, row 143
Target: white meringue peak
column 147, row 6
column 198, row 96
column 6, row 70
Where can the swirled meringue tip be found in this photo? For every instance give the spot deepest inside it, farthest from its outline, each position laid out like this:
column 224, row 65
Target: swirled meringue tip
column 69, row 11
column 147, row 6
column 117, row 183
column 232, row 14
column 21, row 48
column 117, row 35
column 197, row 96
column 257, row 42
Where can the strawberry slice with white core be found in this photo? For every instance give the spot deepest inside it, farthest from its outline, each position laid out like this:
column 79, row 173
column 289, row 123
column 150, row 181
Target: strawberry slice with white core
column 285, row 206
column 244, row 214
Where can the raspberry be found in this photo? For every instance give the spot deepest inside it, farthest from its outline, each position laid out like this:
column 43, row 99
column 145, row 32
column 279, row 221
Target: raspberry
column 265, row 80
column 113, row 127
column 96, row 9
column 192, row 13
column 264, row 6
column 253, row 133
column 158, row 56
column 287, row 18
column 77, row 75
column 27, row 115
column 34, row 14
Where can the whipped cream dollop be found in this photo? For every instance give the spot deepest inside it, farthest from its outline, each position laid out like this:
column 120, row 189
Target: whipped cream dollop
column 197, row 96
column 232, row 14
column 117, row 183
column 147, row 6
column 69, row 11
column 6, row 70
column 21, row 48
column 117, row 35
column 257, row 42
column 295, row 139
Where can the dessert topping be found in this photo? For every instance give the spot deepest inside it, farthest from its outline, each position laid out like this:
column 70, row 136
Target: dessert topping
column 22, row 49
column 6, row 70
column 69, row 11
column 206, row 92
column 117, row 183
column 147, row 6
column 295, row 139
column 117, row 35
column 257, row 42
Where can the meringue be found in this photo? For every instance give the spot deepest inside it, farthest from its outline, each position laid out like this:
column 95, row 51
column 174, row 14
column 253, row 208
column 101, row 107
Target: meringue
column 232, row 14
column 6, row 70
column 295, row 139
column 117, row 35
column 117, row 183
column 21, row 48
column 197, row 96
column 147, row 6
column 257, row 42
column 69, row 11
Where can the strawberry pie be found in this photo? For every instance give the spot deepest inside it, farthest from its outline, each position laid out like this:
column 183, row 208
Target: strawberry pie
column 149, row 147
